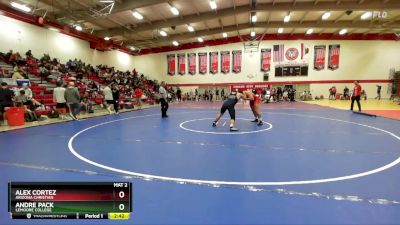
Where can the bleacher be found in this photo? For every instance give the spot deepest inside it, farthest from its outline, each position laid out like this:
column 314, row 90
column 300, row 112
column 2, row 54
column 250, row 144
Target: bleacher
column 42, row 90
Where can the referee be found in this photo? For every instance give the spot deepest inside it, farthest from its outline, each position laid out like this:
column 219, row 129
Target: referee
column 356, row 96
column 163, row 100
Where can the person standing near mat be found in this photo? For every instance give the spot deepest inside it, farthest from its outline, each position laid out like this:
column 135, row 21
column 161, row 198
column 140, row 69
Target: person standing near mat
column 72, row 99
column 6, row 96
column 115, row 94
column 179, row 94
column 108, row 97
column 59, row 99
column 356, row 96
column 229, row 104
column 378, row 92
column 163, row 100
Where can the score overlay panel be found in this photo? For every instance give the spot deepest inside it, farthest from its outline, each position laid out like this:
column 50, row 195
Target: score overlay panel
column 70, row 200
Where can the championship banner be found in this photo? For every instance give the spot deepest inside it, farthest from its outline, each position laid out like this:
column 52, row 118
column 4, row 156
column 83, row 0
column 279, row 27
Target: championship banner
column 202, row 62
column 237, row 61
column 192, row 63
column 319, row 57
column 213, row 62
column 181, row 64
column 171, row 64
column 333, row 57
column 225, row 61
column 265, row 59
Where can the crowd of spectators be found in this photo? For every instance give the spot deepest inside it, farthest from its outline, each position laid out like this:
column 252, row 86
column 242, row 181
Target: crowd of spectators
column 279, row 94
column 89, row 82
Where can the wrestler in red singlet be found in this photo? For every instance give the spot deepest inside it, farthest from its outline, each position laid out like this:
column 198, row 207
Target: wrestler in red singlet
column 255, row 106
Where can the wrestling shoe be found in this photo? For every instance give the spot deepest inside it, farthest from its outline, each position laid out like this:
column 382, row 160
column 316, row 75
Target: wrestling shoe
column 260, row 123
column 214, row 124
column 233, row 129
column 254, row 121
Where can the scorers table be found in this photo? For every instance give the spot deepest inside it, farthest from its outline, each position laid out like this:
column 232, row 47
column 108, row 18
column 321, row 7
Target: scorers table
column 70, row 200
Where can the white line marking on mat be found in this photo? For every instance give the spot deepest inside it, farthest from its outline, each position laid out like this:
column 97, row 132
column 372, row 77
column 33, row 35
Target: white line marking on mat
column 232, row 183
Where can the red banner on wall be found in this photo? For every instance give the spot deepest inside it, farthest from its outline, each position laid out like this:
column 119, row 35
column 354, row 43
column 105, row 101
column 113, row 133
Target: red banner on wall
column 202, row 62
column 333, row 57
column 192, row 63
column 265, row 59
column 171, row 64
column 213, row 62
column 319, row 57
column 181, row 64
column 237, row 61
column 225, row 61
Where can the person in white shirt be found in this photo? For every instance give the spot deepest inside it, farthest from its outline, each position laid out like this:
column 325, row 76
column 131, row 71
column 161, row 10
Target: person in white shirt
column 28, row 94
column 163, row 100
column 108, row 97
column 28, row 91
column 59, row 99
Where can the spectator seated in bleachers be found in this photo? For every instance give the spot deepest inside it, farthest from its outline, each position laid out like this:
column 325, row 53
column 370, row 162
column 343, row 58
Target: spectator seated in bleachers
column 2, row 73
column 18, row 68
column 87, row 78
column 45, row 59
column 86, row 103
column 28, row 54
column 44, row 73
column 23, row 97
column 17, row 76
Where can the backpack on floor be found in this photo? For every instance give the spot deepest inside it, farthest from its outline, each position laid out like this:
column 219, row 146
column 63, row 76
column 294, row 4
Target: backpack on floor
column 31, row 116
column 53, row 114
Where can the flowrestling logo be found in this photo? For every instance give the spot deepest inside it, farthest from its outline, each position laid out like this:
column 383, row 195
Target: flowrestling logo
column 380, row 14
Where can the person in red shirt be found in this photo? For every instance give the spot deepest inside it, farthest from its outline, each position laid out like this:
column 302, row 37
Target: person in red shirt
column 356, row 96
column 138, row 96
column 334, row 92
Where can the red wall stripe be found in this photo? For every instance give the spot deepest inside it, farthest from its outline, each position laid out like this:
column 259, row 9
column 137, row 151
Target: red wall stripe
column 283, row 82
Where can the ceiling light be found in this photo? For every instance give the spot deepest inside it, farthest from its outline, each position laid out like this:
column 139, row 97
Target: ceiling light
column 224, row 35
column 309, row 31
column 132, row 48
column 175, row 43
column 190, row 28
column 78, row 28
column 253, row 33
column 163, row 33
column 286, row 19
column 213, row 4
column 174, row 11
column 254, row 18
column 21, row 7
column 366, row 15
column 107, row 38
column 137, row 15
column 280, row 30
column 200, row 39
column 107, row 1
column 343, row 31
column 326, row 15
column 54, row 29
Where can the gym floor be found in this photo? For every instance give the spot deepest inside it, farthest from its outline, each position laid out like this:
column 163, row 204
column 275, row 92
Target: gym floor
column 306, row 164
column 383, row 107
